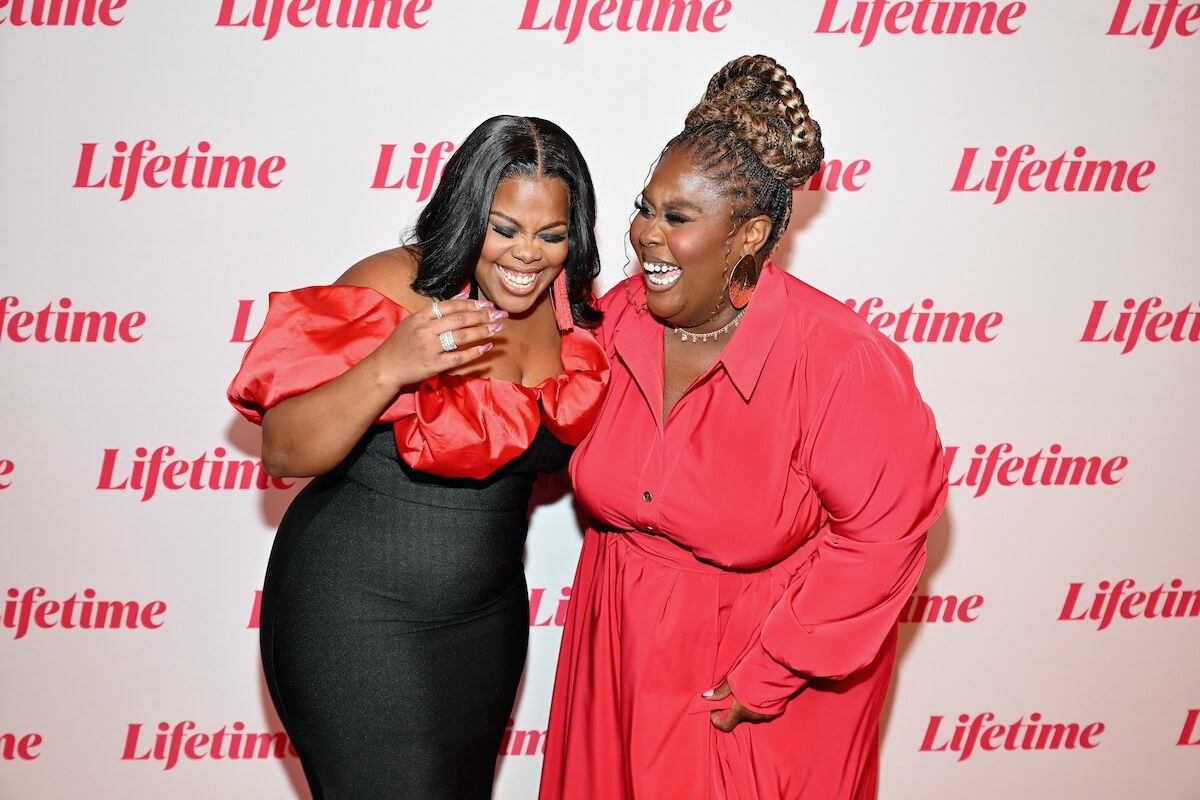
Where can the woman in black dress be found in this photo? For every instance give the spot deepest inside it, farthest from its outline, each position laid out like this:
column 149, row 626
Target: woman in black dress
column 426, row 389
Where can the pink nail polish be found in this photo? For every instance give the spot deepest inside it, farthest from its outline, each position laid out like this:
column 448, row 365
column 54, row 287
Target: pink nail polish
column 483, row 348
column 498, row 315
column 709, row 693
column 461, row 296
column 484, row 304
column 496, row 327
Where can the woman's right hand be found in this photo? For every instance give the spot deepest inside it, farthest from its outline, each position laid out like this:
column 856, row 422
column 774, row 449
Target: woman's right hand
column 414, row 350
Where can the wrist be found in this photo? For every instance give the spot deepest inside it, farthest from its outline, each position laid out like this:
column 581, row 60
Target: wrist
column 387, row 376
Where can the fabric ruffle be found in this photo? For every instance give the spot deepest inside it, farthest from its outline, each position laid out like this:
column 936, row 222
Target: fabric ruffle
column 454, row 426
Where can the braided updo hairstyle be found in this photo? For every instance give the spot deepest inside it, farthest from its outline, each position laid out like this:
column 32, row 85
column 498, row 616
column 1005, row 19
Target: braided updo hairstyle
column 752, row 132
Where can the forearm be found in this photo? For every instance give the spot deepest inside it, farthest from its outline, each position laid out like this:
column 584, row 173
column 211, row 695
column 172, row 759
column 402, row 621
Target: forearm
column 875, row 460
column 311, row 433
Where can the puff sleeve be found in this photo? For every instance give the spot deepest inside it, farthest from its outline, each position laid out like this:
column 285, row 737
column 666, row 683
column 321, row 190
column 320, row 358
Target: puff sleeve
column 309, row 337
column 873, row 454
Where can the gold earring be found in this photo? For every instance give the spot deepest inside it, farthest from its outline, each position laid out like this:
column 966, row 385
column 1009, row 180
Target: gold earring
column 742, row 282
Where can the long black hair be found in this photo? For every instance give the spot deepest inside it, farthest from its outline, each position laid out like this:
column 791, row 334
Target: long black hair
column 450, row 230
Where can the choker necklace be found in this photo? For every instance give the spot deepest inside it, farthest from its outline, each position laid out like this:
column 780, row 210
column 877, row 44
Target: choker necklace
column 685, row 336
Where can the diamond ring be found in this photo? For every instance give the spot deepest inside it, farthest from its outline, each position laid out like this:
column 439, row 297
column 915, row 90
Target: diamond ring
column 447, row 340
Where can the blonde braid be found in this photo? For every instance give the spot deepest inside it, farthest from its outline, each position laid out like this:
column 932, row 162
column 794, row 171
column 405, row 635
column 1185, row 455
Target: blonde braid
column 753, row 133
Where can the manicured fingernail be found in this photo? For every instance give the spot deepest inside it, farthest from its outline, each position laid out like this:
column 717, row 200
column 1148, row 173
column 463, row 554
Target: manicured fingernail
column 496, row 327
column 483, row 348
column 484, row 304
column 498, row 315
column 709, row 693
column 461, row 295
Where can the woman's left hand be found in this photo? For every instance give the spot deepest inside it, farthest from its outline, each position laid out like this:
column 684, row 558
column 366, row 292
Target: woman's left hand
column 737, row 714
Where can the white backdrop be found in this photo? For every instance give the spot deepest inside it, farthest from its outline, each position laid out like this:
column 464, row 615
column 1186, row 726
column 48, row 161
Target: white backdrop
column 916, row 100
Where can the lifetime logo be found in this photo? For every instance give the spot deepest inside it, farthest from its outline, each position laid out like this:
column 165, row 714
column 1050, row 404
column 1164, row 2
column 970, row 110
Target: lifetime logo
column 270, row 15
column 1016, row 169
column 7, row 468
column 1190, row 735
column 24, row 611
column 67, row 324
column 1119, row 600
column 573, row 16
column 242, row 324
column 517, row 742
column 232, row 742
column 424, row 168
column 1045, row 467
column 927, row 323
column 1141, row 319
column 922, row 17
column 929, row 608
column 544, row 613
column 1158, row 20
column 20, row 748
column 150, row 470
column 50, row 13
column 834, row 176
column 131, row 167
column 978, row 732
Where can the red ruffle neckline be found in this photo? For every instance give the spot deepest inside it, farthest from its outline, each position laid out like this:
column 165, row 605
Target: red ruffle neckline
column 454, row 426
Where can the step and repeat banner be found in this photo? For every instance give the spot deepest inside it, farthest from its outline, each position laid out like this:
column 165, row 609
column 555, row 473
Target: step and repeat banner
column 1010, row 193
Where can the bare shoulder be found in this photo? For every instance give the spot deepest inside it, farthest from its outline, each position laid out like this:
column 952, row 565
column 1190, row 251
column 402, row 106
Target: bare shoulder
column 390, row 273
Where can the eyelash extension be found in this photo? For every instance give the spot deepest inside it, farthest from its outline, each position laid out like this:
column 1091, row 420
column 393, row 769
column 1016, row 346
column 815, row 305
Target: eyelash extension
column 551, row 238
column 673, row 217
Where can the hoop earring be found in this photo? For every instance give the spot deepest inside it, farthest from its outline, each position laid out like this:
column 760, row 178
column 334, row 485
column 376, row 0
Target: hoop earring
column 742, row 282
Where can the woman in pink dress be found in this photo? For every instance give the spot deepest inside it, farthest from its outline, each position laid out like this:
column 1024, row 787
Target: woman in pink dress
column 760, row 478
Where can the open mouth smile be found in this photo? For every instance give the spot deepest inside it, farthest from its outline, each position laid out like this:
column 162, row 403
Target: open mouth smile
column 660, row 275
column 516, row 281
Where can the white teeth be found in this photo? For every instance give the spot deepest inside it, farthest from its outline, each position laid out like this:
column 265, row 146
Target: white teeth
column 659, row 274
column 663, row 280
column 658, row 266
column 521, row 279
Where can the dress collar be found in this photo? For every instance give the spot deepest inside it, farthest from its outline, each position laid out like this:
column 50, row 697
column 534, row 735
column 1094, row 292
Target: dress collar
column 746, row 354
column 640, row 341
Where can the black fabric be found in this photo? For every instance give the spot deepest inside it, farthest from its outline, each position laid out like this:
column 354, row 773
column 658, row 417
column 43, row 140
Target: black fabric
column 395, row 620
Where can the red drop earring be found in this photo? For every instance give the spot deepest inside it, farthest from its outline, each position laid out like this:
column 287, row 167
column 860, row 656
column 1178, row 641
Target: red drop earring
column 561, row 302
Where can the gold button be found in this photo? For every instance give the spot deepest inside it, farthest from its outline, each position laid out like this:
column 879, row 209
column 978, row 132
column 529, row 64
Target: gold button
column 647, row 496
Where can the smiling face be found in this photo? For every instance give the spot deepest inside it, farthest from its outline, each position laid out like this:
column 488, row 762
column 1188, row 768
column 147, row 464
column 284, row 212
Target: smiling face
column 525, row 246
column 683, row 234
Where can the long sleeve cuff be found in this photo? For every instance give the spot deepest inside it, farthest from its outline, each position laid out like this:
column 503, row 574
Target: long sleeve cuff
column 762, row 684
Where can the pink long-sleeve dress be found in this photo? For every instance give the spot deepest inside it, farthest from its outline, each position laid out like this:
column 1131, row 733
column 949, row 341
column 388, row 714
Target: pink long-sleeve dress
column 766, row 532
